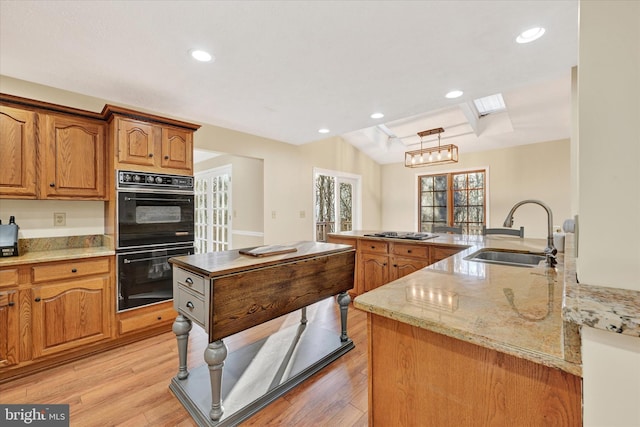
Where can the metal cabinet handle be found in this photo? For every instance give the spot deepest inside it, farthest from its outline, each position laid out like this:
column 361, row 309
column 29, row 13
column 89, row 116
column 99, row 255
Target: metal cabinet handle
column 166, row 157
column 189, row 281
column 159, row 317
column 150, row 154
column 409, row 251
column 53, row 184
column 190, row 305
column 37, row 299
column 11, row 304
column 74, row 270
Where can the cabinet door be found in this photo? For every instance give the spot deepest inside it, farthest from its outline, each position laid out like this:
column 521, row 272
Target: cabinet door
column 74, row 158
column 177, row 149
column 136, row 142
column 70, row 314
column 375, row 271
column 18, row 153
column 10, row 327
column 400, row 267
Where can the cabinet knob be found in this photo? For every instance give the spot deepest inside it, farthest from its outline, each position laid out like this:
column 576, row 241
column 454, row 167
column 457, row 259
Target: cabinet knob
column 150, row 154
column 74, row 270
column 190, row 305
column 37, row 299
column 11, row 304
column 189, row 281
column 166, row 157
column 159, row 317
column 409, row 251
column 53, row 184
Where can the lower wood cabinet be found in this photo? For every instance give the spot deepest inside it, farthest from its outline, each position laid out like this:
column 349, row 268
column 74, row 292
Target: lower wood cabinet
column 70, row 314
column 421, row 378
column 54, row 311
column 10, row 327
column 145, row 318
column 379, row 261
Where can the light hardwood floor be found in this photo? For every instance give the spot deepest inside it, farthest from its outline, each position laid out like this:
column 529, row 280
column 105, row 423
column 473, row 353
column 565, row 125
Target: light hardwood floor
column 129, row 386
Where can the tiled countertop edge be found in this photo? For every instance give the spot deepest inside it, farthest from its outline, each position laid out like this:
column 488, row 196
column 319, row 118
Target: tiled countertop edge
column 600, row 307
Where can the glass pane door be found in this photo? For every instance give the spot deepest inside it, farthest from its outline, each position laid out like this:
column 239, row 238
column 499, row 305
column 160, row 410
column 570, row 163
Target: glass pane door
column 212, row 210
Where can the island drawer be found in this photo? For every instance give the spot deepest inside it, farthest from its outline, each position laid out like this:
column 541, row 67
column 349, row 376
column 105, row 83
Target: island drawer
column 373, row 246
column 191, row 305
column 70, row 269
column 419, row 251
column 189, row 280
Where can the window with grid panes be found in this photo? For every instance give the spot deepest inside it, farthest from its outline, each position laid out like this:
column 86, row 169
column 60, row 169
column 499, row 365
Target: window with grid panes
column 453, row 199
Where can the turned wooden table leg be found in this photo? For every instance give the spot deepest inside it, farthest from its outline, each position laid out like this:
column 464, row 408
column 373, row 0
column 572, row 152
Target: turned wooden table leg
column 343, row 300
column 215, row 355
column 182, row 327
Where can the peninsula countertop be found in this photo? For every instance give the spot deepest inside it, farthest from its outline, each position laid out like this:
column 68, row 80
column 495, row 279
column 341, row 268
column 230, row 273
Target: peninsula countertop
column 514, row 310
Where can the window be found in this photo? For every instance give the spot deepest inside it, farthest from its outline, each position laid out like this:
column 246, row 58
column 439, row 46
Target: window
column 335, row 196
column 212, row 207
column 454, row 199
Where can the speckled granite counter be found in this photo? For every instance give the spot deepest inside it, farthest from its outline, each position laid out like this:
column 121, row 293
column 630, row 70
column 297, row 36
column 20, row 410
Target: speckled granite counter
column 514, row 310
column 59, row 249
column 610, row 309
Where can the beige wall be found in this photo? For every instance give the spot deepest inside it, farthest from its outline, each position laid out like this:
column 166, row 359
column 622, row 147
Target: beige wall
column 288, row 170
column 609, row 198
column 535, row 171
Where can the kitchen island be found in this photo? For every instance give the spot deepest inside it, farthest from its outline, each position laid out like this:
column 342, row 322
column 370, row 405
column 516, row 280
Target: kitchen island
column 231, row 291
column 461, row 342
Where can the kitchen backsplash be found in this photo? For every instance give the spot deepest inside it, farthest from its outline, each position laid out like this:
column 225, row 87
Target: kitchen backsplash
column 66, row 242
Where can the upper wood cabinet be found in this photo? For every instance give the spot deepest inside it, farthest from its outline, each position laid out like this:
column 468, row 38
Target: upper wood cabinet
column 73, row 153
column 153, row 147
column 18, row 153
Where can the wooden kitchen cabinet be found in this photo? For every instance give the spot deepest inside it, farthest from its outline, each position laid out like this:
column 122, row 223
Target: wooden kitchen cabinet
column 71, row 304
column 407, row 258
column 152, row 147
column 146, row 319
column 438, row 253
column 73, row 156
column 373, row 262
column 443, row 381
column 10, row 327
column 18, row 153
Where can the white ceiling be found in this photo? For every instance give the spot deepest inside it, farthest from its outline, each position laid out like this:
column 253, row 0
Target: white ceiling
column 284, row 69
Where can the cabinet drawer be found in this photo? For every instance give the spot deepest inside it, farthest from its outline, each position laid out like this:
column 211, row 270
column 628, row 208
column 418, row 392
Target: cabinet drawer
column 8, row 277
column 68, row 270
column 440, row 253
column 419, row 251
column 189, row 280
column 373, row 246
column 191, row 305
column 146, row 320
column 342, row 240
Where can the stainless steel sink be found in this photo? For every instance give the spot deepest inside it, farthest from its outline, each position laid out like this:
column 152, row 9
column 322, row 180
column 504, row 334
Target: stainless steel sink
column 514, row 258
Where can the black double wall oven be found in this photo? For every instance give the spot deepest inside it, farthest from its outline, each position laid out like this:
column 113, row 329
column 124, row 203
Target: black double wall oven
column 155, row 221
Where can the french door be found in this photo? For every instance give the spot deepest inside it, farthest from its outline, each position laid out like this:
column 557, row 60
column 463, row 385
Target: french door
column 212, row 210
column 337, row 201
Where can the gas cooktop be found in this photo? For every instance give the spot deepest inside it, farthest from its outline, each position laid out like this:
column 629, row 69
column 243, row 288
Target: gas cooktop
column 408, row 236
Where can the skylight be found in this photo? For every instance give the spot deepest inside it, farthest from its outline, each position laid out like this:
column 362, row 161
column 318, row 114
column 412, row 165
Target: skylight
column 489, row 104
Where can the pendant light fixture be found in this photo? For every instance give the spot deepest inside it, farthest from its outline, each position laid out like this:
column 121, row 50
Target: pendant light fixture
column 431, row 156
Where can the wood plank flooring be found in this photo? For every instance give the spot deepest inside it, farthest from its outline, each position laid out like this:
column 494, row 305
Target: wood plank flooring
column 129, row 386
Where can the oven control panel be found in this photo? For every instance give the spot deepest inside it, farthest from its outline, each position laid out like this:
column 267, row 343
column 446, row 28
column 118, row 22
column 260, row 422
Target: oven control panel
column 130, row 179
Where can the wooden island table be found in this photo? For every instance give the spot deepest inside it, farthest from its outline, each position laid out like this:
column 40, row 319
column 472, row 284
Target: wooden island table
column 231, row 291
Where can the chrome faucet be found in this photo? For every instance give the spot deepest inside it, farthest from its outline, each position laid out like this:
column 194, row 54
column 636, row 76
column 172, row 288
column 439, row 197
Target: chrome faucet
column 550, row 251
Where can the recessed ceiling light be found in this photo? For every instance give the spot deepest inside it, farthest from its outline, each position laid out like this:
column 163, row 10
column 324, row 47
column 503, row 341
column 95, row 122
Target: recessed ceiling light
column 377, row 115
column 201, row 55
column 454, row 94
column 324, row 130
column 530, row 35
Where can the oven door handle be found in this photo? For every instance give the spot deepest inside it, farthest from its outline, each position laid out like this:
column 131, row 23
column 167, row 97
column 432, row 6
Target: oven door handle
column 155, row 199
column 129, row 261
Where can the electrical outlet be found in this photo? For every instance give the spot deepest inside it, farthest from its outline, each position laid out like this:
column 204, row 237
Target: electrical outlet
column 303, row 214
column 273, row 214
column 59, row 219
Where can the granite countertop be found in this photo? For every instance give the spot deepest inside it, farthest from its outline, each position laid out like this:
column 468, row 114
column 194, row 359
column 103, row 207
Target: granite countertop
column 514, row 310
column 59, row 249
